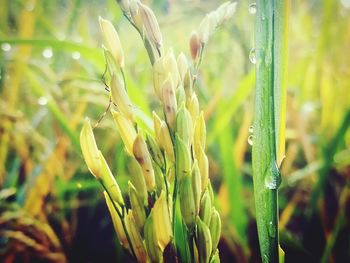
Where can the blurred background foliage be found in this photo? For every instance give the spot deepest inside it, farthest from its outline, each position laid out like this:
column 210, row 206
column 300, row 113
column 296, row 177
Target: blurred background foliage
column 51, row 67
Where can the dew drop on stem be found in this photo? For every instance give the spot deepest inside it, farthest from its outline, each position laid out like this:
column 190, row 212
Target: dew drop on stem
column 271, row 228
column 251, row 129
column 251, row 140
column 252, row 57
column 273, row 177
column 252, row 8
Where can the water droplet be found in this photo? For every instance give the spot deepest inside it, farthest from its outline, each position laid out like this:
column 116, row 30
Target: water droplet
column 251, row 129
column 251, row 140
column 79, row 185
column 252, row 57
column 42, row 101
column 270, row 182
column 271, row 229
column 273, row 177
column 30, row 7
column 76, row 55
column 47, row 53
column 252, row 8
column 6, row 47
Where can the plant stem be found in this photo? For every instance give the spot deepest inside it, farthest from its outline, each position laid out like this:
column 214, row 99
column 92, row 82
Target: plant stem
column 146, row 42
column 121, row 219
column 267, row 116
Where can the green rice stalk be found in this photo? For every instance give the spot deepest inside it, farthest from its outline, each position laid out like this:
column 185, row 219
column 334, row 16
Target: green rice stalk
column 270, row 21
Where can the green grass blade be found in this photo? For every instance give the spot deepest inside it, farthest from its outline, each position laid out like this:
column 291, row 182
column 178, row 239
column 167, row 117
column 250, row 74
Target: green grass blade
column 232, row 177
column 229, row 108
column 328, row 159
column 280, row 74
column 54, row 109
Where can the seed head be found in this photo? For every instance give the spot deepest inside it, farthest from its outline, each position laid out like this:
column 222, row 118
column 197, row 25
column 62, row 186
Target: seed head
column 230, row 10
column 215, row 228
column 112, row 41
column 150, row 25
column 157, row 122
column 89, row 149
column 112, row 65
column 170, row 66
column 143, row 157
column 134, row 9
column 151, row 240
column 160, row 184
column 135, row 238
column 188, row 83
column 166, row 142
column 196, row 185
column 205, row 208
column 180, row 95
column 203, row 165
column 199, row 134
column 204, row 30
column 155, row 151
column 109, row 182
column 193, row 107
column 138, row 180
column 183, row 158
column 137, row 207
column 169, row 101
column 184, row 127
column 182, row 65
column 121, row 98
column 124, row 5
column 160, row 213
column 159, row 76
column 117, row 223
column 195, row 45
column 203, row 241
column 187, row 202
column 126, row 130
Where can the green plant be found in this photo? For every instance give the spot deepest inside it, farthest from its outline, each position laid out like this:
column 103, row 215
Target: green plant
column 269, row 124
column 170, row 204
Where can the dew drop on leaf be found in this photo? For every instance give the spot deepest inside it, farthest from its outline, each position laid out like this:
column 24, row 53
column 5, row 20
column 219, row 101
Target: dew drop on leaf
column 252, row 8
column 252, row 57
column 251, row 140
column 251, row 129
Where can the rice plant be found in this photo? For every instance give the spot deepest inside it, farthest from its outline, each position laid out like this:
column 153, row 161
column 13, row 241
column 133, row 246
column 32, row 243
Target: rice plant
column 169, row 209
column 269, row 124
